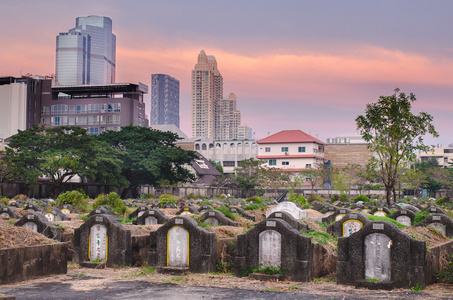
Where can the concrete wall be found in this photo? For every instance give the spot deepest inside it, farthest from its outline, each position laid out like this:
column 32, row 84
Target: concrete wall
column 436, row 258
column 19, row 264
column 342, row 154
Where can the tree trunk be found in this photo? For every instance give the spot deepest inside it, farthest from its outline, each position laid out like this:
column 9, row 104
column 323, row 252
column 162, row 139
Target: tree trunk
column 388, row 192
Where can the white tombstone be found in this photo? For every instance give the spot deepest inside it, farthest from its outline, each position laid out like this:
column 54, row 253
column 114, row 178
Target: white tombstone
column 32, row 226
column 339, row 217
column 178, row 247
column 50, row 217
column 65, row 211
column 151, row 220
column 212, row 221
column 380, row 213
column 377, row 257
column 404, row 220
column 98, row 242
column 140, row 213
column 351, row 226
column 270, row 244
column 330, row 212
column 290, row 208
column 5, row 214
column 440, row 227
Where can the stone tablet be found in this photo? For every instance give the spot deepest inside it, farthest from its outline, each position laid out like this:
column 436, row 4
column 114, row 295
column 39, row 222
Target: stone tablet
column 65, row 211
column 404, row 220
column 32, row 226
column 140, row 213
column 438, row 226
column 339, row 217
column 5, row 214
column 50, row 217
column 380, row 213
column 212, row 221
column 178, row 247
column 270, row 243
column 151, row 221
column 351, row 226
column 377, row 257
column 98, row 243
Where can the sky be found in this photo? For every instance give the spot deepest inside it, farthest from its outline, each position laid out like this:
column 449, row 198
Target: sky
column 293, row 64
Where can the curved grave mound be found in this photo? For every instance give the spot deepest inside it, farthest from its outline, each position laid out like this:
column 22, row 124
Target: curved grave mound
column 139, row 211
column 439, row 222
column 243, row 213
column 188, row 208
column 404, row 216
column 39, row 223
column 215, row 217
column 290, row 208
column 151, row 217
column 380, row 211
column 55, row 215
column 294, row 223
column 348, row 224
column 68, row 209
column 10, row 212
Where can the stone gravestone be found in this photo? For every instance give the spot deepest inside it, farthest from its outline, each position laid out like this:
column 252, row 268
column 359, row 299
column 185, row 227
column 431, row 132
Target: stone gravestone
column 404, row 216
column 435, row 210
column 139, row 211
column 243, row 213
column 273, row 242
column 187, row 209
column 32, row 207
column 380, row 211
column 151, row 217
column 294, row 223
column 336, row 215
column 39, row 223
column 381, row 256
column 101, row 237
column 9, row 212
column 319, row 206
column 290, row 208
column 100, row 211
column 439, row 222
column 55, row 215
column 349, row 224
column 215, row 217
column 68, row 209
column 205, row 207
column 181, row 243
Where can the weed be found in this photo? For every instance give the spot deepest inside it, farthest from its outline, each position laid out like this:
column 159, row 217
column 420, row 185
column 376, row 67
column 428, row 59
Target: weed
column 416, row 289
column 97, row 260
column 446, row 275
column 372, row 279
column 177, row 278
column 293, row 288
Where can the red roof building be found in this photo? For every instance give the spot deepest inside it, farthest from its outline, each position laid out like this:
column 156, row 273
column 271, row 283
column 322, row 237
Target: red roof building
column 291, row 150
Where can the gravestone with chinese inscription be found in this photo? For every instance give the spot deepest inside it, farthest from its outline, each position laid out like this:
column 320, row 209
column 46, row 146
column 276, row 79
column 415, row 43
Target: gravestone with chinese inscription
column 381, row 256
column 151, row 217
column 336, row 215
column 440, row 222
column 68, row 209
column 349, row 224
column 181, row 243
column 9, row 212
column 55, row 215
column 380, row 211
column 273, row 242
column 102, row 238
column 187, row 209
column 243, row 213
column 404, row 216
column 215, row 217
column 39, row 223
column 294, row 223
column 290, row 208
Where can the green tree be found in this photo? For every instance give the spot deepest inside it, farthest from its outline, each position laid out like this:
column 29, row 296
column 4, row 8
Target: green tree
column 393, row 133
column 247, row 175
column 149, row 156
column 59, row 154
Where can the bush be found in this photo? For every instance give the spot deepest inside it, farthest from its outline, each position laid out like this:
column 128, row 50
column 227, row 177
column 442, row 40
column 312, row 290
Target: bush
column 220, row 197
column 165, row 199
column 20, row 197
column 255, row 199
column 192, row 196
column 298, row 198
column 343, row 197
column 334, row 197
column 361, row 198
column 147, row 196
column 314, row 197
column 113, row 200
column 442, row 201
column 420, row 216
column 251, row 207
column 446, row 275
column 227, row 212
column 75, row 198
column 5, row 201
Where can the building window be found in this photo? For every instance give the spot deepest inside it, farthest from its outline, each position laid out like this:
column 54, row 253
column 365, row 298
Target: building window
column 59, row 121
column 285, row 163
column 45, row 110
column 93, row 120
column 93, row 131
column 103, row 108
column 103, row 120
column 71, row 121
column 301, row 149
column 115, row 119
column 229, row 164
column 102, row 130
column 272, row 162
column 72, row 109
column 93, row 108
column 284, row 149
column 448, row 150
column 114, row 107
column 59, row 109
column 267, row 149
column 113, row 128
column 308, row 166
column 81, row 109
column 81, row 120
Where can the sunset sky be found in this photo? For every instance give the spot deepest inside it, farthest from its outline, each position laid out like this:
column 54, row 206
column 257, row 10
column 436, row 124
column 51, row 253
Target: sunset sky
column 308, row 65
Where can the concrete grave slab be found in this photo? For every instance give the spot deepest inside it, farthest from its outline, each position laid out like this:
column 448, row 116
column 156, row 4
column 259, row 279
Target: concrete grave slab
column 151, row 217
column 39, row 223
column 215, row 217
column 290, row 208
column 294, row 223
column 349, row 224
column 440, row 222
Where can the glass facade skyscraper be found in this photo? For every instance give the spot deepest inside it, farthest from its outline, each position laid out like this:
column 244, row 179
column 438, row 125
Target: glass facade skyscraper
column 164, row 100
column 86, row 54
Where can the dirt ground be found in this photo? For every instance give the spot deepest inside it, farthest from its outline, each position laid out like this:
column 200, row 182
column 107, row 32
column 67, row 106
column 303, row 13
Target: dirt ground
column 133, row 283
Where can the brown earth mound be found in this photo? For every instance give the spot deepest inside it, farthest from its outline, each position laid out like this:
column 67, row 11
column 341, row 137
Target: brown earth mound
column 14, row 237
column 430, row 236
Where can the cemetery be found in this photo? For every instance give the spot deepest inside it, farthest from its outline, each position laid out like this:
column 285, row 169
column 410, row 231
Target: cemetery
column 261, row 239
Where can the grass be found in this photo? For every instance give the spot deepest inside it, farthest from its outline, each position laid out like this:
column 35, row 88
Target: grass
column 322, row 238
column 377, row 218
column 372, row 279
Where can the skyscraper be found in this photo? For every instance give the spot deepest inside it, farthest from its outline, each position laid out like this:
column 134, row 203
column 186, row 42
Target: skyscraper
column 229, row 118
column 207, row 91
column 164, row 100
column 86, row 54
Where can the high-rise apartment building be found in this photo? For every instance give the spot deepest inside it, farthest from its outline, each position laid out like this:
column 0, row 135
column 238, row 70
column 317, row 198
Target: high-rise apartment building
column 164, row 100
column 86, row 54
column 207, row 91
column 228, row 118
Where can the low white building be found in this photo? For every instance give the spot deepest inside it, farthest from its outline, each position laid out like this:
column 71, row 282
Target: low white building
column 291, row 150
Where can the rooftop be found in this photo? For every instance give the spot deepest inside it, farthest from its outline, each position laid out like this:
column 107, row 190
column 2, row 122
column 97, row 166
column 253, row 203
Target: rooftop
column 290, row 136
